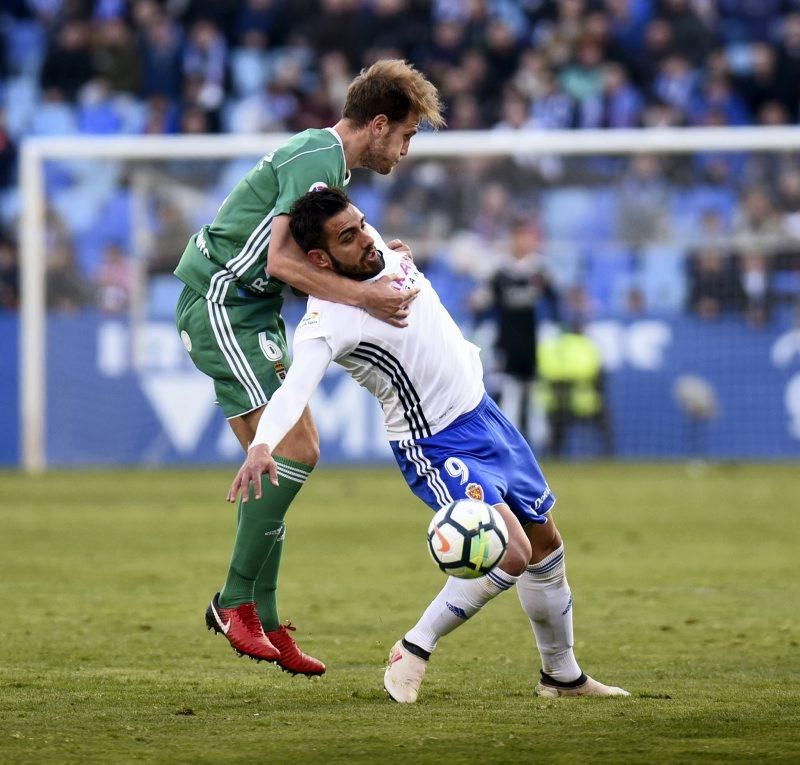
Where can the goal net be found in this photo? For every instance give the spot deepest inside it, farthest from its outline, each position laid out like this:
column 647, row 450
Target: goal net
column 658, row 270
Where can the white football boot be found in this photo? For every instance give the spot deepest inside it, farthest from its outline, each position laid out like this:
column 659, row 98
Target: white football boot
column 589, row 687
column 404, row 674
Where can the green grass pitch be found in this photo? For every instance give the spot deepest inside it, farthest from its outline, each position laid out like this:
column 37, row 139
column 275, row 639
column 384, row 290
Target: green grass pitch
column 686, row 587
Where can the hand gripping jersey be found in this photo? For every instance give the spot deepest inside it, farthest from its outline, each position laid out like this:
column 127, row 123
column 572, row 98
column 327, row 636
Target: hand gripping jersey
column 424, row 375
column 227, row 260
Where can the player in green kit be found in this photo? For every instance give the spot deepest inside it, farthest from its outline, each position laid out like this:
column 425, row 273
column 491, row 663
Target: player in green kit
column 228, row 316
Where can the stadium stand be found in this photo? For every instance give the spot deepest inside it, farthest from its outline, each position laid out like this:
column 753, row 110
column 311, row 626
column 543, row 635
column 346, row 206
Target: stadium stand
column 142, row 67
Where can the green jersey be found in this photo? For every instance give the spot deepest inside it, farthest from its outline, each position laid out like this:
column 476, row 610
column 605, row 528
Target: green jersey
column 227, row 260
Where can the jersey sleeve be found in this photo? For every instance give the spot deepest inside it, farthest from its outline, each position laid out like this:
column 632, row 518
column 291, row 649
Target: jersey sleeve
column 287, row 403
column 304, row 171
column 339, row 325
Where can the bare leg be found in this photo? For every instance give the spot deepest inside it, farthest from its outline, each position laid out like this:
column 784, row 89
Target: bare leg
column 301, row 443
column 544, row 539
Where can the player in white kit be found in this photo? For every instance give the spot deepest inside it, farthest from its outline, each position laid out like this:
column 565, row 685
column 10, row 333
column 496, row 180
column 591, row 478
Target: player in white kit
column 449, row 439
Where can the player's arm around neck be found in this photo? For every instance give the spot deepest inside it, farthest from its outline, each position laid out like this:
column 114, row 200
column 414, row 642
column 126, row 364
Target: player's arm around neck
column 289, row 263
column 311, row 358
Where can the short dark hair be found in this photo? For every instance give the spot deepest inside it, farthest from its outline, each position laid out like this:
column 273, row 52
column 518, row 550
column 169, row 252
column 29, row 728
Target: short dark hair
column 309, row 214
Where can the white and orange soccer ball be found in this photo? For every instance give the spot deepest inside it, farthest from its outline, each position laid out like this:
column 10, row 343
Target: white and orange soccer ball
column 467, row 538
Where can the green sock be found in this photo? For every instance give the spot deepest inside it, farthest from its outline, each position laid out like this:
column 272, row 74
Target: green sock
column 260, row 525
column 292, row 475
column 266, row 586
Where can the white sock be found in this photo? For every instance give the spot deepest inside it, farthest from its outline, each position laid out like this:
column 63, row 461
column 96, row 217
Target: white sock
column 546, row 599
column 456, row 602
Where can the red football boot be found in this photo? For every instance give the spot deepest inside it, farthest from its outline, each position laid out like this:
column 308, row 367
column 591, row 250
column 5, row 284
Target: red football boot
column 243, row 629
column 292, row 659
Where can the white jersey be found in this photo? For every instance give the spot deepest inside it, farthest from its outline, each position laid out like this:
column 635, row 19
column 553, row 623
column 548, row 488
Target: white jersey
column 425, row 375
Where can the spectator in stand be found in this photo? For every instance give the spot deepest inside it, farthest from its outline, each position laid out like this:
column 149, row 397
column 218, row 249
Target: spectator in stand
column 465, row 113
column 161, row 55
column 274, row 107
column 532, row 77
column 8, row 155
column 115, row 57
column 554, row 110
column 559, row 38
column 759, row 86
column 744, row 20
column 714, row 282
column 677, row 82
column 9, row 276
column 161, row 116
column 269, row 19
column 646, row 61
column 692, row 34
column 495, row 214
column 627, row 21
column 513, row 111
column 618, row 105
column 789, row 191
column 67, row 289
column 773, row 113
column 205, row 61
column 582, row 78
column 501, row 50
column 314, row 108
column 223, row 14
column 193, row 100
column 113, row 281
column 97, row 114
column 758, row 225
column 789, row 64
column 643, row 202
column 172, row 231
column 445, row 49
column 399, row 24
column 658, row 114
column 787, row 261
column 756, row 287
column 338, row 25
column 470, row 78
column 786, row 269
column 717, row 95
column 335, row 79
column 68, row 63
column 713, row 230
column 4, row 68
column 597, row 30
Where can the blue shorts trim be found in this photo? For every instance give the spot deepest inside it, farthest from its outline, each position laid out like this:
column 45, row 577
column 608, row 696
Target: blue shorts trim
column 480, row 455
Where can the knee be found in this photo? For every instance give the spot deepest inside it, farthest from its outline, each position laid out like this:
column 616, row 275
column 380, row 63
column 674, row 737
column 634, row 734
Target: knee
column 312, row 456
column 308, row 442
column 307, row 452
column 300, row 445
column 550, row 545
column 517, row 555
column 544, row 539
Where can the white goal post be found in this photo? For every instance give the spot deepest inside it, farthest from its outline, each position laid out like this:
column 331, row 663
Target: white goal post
column 36, row 151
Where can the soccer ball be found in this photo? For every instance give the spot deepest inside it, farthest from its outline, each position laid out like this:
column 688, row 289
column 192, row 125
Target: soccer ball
column 467, row 538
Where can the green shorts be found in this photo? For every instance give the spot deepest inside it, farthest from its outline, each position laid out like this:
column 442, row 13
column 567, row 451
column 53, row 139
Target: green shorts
column 241, row 347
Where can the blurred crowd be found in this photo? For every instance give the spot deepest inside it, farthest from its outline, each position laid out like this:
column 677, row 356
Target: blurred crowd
column 711, row 234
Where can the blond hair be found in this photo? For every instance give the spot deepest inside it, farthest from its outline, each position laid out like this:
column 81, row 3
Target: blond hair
column 396, row 89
